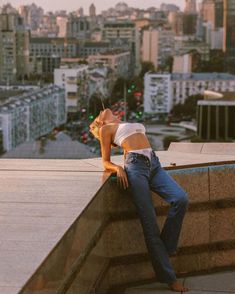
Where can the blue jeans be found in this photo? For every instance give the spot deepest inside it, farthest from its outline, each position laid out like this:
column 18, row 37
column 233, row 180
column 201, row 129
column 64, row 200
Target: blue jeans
column 145, row 176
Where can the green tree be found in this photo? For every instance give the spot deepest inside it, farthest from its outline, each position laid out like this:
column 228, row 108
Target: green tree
column 188, row 108
column 216, row 63
column 95, row 105
column 132, row 86
column 145, row 67
column 117, row 93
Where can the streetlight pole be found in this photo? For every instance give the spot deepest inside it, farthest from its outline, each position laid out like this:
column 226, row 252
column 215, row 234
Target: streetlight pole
column 125, row 108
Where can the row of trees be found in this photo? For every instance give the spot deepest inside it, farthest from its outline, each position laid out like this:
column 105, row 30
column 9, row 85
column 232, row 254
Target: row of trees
column 134, row 88
column 186, row 110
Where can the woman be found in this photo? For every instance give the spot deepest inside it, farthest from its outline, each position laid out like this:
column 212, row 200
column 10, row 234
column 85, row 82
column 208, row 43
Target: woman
column 142, row 173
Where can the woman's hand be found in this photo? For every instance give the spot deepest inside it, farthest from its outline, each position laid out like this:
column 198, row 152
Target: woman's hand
column 122, row 178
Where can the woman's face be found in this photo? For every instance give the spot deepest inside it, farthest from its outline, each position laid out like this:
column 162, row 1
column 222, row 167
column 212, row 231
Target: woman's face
column 105, row 116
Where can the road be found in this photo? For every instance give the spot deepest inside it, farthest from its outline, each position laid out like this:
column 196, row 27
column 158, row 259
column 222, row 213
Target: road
column 156, row 134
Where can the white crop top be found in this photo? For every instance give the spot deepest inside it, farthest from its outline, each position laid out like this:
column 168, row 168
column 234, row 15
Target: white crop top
column 125, row 130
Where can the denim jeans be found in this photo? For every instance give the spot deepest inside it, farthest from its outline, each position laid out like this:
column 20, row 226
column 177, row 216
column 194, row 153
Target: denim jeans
column 145, row 176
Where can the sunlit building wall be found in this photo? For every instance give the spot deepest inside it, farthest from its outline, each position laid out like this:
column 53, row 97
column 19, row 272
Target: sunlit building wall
column 30, row 116
column 74, row 81
column 158, row 45
column 229, row 34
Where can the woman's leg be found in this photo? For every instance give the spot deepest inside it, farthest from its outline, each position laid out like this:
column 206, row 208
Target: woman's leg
column 138, row 177
column 165, row 186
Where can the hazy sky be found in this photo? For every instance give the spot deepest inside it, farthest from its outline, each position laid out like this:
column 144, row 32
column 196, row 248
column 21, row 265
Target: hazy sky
column 71, row 5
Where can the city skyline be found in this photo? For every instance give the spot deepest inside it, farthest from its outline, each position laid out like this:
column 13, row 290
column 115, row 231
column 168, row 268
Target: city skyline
column 71, row 5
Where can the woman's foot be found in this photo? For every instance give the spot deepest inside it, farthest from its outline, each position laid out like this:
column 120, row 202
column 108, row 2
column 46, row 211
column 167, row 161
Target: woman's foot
column 178, row 287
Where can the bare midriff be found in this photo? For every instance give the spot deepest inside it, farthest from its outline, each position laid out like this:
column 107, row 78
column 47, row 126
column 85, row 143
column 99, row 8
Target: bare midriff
column 136, row 142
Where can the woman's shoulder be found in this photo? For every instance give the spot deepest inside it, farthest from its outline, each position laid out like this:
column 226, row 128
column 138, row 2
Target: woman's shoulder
column 109, row 127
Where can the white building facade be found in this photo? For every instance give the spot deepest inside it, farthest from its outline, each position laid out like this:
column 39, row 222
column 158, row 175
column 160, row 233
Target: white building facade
column 185, row 85
column 73, row 80
column 30, row 116
column 163, row 91
column 157, row 93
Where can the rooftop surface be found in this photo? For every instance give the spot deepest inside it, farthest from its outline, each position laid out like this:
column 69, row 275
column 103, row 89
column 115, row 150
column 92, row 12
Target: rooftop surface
column 202, row 76
column 40, row 199
column 219, row 283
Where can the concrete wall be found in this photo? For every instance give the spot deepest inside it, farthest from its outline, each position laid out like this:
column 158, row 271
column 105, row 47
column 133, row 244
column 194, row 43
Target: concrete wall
column 104, row 249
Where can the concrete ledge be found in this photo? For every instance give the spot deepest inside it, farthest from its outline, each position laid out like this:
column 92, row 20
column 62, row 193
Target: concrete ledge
column 203, row 148
column 69, row 229
column 204, row 246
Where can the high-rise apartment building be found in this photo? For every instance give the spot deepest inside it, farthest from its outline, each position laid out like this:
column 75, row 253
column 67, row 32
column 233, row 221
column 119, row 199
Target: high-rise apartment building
column 219, row 13
column 229, row 33
column 212, row 11
column 157, row 94
column 158, row 45
column 92, row 10
column 189, row 24
column 79, row 27
column 175, row 19
column 190, row 6
column 32, row 115
column 14, row 47
column 61, row 22
column 124, row 35
column 80, row 12
column 49, row 51
column 212, row 18
column 35, row 16
column 24, row 13
column 32, row 15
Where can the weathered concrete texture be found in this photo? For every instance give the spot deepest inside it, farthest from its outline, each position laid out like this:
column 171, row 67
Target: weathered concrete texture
column 222, row 258
column 124, row 238
column 190, row 178
column 62, row 228
column 199, row 239
column 68, row 255
column 222, row 184
column 129, row 272
column 39, row 201
column 222, row 224
column 196, row 228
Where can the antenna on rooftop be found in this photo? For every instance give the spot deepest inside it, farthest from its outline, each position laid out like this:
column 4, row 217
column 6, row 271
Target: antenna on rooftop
column 102, row 102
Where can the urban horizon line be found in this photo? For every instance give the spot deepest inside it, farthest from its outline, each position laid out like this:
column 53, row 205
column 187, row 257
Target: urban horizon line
column 16, row 4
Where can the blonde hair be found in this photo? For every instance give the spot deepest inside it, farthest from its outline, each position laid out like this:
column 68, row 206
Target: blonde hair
column 94, row 129
column 95, row 132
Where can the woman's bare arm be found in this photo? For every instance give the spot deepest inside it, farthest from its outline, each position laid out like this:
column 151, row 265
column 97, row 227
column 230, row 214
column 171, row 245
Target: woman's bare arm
column 105, row 142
